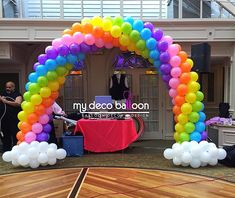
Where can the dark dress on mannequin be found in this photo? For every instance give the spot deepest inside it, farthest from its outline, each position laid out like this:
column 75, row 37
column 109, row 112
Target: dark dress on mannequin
column 9, row 121
column 117, row 90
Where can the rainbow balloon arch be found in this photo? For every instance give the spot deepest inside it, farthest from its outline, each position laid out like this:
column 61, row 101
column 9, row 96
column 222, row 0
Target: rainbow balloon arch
column 67, row 52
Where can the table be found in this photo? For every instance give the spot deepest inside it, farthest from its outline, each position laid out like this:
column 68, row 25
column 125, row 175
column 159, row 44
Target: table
column 106, row 135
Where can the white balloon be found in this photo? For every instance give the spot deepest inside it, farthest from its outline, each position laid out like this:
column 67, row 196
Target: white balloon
column 15, row 163
column 51, row 152
column 178, row 151
column 16, row 147
column 203, row 164
column 52, row 161
column 42, row 158
column 184, row 164
column 43, row 146
column 175, row 145
column 34, row 144
column 221, row 154
column 176, row 161
column 61, row 154
column 212, row 145
column 168, row 153
column 23, row 160
column 7, row 157
column 193, row 143
column 34, row 163
column 186, row 157
column 185, row 146
column 205, row 157
column 33, row 152
column 15, row 154
column 213, row 151
column 195, row 151
column 23, row 147
column 195, row 163
column 53, row 145
column 44, row 164
column 213, row 161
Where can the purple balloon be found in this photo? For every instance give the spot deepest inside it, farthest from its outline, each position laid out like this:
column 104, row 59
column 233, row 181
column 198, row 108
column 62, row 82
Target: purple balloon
column 149, row 26
column 51, row 52
column 165, row 68
column 63, row 50
column 42, row 58
column 162, row 46
column 74, row 48
column 166, row 78
column 203, row 135
column 85, row 48
column 78, row 65
column 35, row 66
column 50, row 117
column 47, row 128
column 157, row 34
column 94, row 48
column 164, row 57
column 42, row 137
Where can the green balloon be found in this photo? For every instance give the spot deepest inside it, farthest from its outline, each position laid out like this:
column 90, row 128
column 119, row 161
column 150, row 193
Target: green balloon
column 197, row 106
column 126, row 28
column 51, row 75
column 189, row 127
column 140, row 45
column 194, row 117
column 61, row 71
column 134, row 36
column 184, row 137
column 34, row 88
column 118, row 20
column 200, row 95
column 27, row 96
column 42, row 81
column 145, row 53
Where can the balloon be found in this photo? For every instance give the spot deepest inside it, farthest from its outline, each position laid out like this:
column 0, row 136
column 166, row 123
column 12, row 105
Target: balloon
column 185, row 67
column 50, row 64
column 162, row 46
column 193, row 86
column 39, row 109
column 202, row 116
column 28, row 107
column 29, row 137
column 27, row 96
column 25, row 127
column 179, row 128
column 145, row 33
column 194, row 117
column 67, row 39
column 42, row 137
column 138, row 25
column 151, row 43
column 172, row 93
column 197, row 106
column 149, row 26
column 190, row 62
column 107, row 25
column 51, row 75
column 97, row 21
column 168, row 153
column 51, row 52
column 174, row 82
column 32, row 118
column 183, row 56
column 117, row 21
column 76, row 27
column 189, row 127
column 116, row 31
column 97, row 32
column 177, row 110
column 78, row 37
column 56, row 42
column 200, row 95
column 89, row 39
column 37, row 128
column 165, row 68
column 124, row 40
column 157, row 34
column 42, row 81
column 126, row 28
column 44, row 119
column 74, row 49
column 36, row 99
column 186, row 108
column 42, row 58
column 33, row 77
column 184, row 137
column 154, row 54
column 47, row 128
column 134, row 36
column 53, row 85
column 185, row 78
column 200, row 126
column 41, row 70
column 182, row 118
column 173, row 49
column 164, row 57
column 168, row 39
column 190, row 97
column 175, row 61
column 175, row 72
column 182, row 89
column 179, row 100
column 45, row 92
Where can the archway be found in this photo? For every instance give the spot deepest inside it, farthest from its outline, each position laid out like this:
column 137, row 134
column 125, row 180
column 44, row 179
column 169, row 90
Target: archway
column 171, row 62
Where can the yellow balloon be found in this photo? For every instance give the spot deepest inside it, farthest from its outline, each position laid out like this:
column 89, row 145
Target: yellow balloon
column 18, row 125
column 45, row 92
column 61, row 80
column 68, row 66
column 182, row 118
column 190, row 62
column 116, row 31
column 176, row 136
column 193, row 86
column 97, row 21
column 131, row 46
column 23, row 103
column 186, row 108
column 107, row 25
column 28, row 107
column 53, row 85
column 86, row 20
column 124, row 40
column 36, row 99
column 22, row 116
column 190, row 97
column 179, row 127
column 193, row 76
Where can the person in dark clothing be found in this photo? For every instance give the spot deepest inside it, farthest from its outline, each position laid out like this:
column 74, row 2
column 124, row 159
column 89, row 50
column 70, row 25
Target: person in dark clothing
column 10, row 101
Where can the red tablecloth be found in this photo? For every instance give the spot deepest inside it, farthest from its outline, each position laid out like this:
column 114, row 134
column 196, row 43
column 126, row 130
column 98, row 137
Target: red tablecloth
column 106, row 135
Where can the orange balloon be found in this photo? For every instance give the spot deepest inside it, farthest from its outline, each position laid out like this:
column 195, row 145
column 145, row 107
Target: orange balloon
column 116, row 42
column 32, row 118
column 20, row 136
column 182, row 89
column 54, row 95
column 185, row 67
column 176, row 110
column 179, row 100
column 183, row 56
column 39, row 109
column 25, row 127
column 47, row 102
column 123, row 48
column 185, row 78
column 68, row 31
column 87, row 28
column 107, row 38
column 97, row 32
column 176, row 118
column 18, row 142
column 77, row 27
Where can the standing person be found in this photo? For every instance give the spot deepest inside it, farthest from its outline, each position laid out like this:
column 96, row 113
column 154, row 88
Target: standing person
column 11, row 100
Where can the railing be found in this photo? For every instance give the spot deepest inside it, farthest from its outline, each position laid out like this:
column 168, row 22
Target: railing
column 141, row 9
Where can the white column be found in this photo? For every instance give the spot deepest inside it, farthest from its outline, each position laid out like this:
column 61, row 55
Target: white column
column 232, row 84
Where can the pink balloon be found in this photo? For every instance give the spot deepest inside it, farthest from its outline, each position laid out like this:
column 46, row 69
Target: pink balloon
column 89, row 39
column 78, row 37
column 99, row 42
column 175, row 61
column 168, row 39
column 37, row 128
column 67, row 39
column 108, row 45
column 29, row 137
column 57, row 42
column 49, row 110
column 173, row 50
column 176, row 72
column 44, row 119
column 172, row 93
column 174, row 82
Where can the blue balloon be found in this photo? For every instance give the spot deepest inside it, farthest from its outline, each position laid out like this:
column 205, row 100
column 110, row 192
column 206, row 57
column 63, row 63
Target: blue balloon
column 151, row 43
column 138, row 25
column 33, row 77
column 195, row 136
column 50, row 64
column 72, row 59
column 145, row 34
column 202, row 117
column 154, row 54
column 200, row 126
column 157, row 64
column 27, row 86
column 41, row 70
column 129, row 19
column 60, row 60
column 81, row 56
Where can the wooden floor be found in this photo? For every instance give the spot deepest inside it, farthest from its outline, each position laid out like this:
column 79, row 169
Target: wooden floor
column 111, row 182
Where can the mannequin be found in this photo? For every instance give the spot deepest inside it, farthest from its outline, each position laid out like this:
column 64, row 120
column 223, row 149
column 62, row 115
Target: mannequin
column 118, row 85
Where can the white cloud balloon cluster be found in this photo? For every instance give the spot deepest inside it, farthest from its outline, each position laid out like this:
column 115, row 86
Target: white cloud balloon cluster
column 34, row 154
column 194, row 154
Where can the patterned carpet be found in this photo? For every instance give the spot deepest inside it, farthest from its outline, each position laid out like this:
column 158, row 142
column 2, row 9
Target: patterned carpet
column 143, row 154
